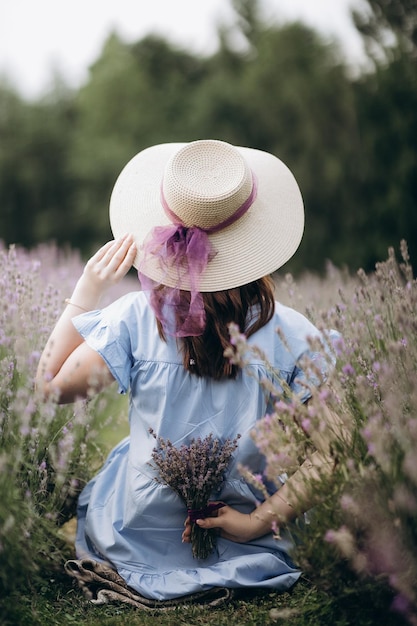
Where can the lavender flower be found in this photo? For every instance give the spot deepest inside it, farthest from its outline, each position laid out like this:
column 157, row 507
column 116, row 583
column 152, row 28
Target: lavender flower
column 194, row 472
column 47, row 452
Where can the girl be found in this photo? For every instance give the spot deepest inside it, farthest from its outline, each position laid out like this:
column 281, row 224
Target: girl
column 207, row 224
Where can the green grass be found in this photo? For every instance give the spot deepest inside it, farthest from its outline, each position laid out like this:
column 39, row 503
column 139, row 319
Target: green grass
column 58, row 602
column 115, row 421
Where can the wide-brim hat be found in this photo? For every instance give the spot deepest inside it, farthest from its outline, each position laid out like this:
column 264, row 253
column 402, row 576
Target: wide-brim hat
column 205, row 183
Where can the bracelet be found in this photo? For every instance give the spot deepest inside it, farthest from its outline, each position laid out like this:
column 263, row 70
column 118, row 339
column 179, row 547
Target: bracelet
column 68, row 301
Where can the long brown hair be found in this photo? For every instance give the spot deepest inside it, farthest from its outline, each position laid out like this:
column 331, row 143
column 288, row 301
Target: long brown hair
column 204, row 355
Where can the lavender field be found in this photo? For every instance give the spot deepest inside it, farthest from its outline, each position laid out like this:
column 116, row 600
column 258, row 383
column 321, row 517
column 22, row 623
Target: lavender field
column 360, row 542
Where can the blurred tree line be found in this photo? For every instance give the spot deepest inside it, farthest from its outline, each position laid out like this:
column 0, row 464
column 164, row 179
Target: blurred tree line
column 350, row 140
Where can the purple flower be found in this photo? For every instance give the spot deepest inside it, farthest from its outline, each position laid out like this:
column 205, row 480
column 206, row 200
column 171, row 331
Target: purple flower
column 306, row 424
column 348, row 369
column 194, row 472
column 400, row 604
column 330, row 536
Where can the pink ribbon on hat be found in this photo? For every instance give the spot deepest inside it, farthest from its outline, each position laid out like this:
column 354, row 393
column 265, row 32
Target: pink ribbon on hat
column 187, row 249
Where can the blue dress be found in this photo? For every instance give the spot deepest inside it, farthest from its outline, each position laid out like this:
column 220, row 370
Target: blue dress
column 128, row 519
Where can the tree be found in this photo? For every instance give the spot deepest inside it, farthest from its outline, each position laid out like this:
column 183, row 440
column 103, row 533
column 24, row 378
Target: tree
column 349, row 141
column 387, row 113
column 35, row 188
column 137, row 95
column 388, row 26
column 300, row 107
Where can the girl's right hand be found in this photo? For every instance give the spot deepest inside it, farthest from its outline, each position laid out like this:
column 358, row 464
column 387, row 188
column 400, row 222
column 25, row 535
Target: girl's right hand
column 232, row 525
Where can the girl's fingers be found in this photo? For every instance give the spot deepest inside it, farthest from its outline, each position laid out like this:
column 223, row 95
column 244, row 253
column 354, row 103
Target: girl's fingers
column 112, row 261
column 208, row 522
column 98, row 256
column 125, row 262
column 122, row 249
column 114, row 252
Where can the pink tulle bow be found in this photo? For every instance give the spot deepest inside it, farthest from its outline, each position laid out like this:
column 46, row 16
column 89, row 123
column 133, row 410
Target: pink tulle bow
column 186, row 251
column 181, row 252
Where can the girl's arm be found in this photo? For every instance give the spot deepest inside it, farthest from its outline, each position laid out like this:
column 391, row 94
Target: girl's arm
column 292, row 499
column 68, row 367
column 276, row 511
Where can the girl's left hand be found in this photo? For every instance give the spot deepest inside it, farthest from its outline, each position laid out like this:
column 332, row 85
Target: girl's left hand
column 106, row 268
column 68, row 366
column 111, row 262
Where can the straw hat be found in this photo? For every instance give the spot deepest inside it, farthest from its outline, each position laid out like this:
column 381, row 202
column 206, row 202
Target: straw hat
column 203, row 184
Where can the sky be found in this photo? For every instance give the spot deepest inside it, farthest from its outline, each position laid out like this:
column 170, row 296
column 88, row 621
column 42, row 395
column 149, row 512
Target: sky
column 39, row 38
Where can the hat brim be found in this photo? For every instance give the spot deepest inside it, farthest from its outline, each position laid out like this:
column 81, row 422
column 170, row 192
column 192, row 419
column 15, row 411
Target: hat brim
column 257, row 244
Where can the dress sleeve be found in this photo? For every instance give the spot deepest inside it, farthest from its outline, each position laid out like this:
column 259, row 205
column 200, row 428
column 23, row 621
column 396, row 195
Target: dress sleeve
column 107, row 332
column 313, row 368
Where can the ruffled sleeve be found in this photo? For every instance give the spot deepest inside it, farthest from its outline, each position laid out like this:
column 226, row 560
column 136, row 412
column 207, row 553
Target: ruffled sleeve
column 107, row 332
column 303, row 365
column 313, row 368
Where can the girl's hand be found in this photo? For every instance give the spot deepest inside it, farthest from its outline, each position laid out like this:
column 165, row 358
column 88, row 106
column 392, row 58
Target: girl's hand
column 106, row 268
column 111, row 262
column 233, row 525
column 68, row 366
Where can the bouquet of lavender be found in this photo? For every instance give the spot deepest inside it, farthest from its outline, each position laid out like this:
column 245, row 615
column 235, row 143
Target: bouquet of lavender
column 194, row 472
